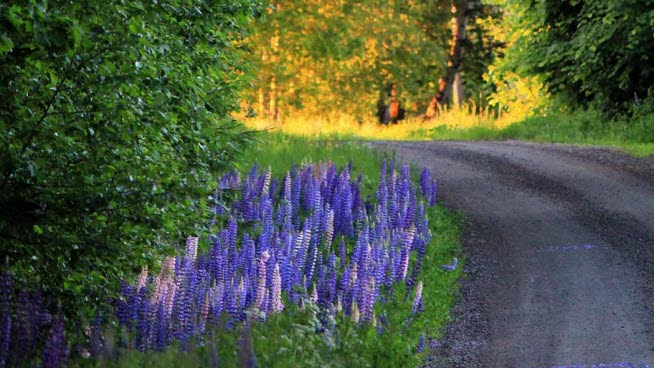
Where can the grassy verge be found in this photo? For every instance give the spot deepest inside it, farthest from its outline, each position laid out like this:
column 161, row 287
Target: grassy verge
column 635, row 136
column 309, row 336
column 281, row 151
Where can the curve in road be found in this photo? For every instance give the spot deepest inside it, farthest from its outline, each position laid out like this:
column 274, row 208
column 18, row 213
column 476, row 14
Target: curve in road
column 560, row 254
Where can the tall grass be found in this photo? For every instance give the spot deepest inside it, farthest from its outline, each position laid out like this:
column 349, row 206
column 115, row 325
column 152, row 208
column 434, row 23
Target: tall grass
column 344, row 126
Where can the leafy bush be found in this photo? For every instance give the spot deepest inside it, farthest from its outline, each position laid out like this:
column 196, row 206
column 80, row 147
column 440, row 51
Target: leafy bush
column 114, row 118
column 597, row 53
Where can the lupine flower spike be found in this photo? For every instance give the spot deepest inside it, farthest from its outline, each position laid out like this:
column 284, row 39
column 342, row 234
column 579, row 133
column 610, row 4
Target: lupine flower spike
column 450, row 267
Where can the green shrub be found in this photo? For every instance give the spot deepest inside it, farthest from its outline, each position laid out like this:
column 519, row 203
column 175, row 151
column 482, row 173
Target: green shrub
column 114, row 118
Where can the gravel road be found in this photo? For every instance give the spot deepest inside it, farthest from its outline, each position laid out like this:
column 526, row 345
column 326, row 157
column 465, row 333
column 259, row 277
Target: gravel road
column 559, row 254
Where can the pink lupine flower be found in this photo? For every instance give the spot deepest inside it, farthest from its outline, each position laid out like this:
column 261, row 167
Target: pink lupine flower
column 170, row 297
column 353, row 275
column 417, row 301
column 204, row 312
column 410, row 235
column 329, row 228
column 405, row 263
column 158, row 287
column 266, row 183
column 240, row 292
column 143, row 277
column 277, row 305
column 261, row 283
column 355, row 312
column 314, row 294
column 168, row 269
column 339, row 306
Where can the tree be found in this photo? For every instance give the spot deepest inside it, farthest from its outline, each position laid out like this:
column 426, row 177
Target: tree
column 115, row 116
column 318, row 57
column 472, row 49
column 589, row 52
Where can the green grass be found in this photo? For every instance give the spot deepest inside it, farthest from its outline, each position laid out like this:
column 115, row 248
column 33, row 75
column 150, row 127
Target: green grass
column 279, row 151
column 290, row 339
column 635, row 135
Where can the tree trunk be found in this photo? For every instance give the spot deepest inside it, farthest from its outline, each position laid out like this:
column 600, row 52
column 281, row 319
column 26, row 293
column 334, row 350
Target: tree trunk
column 460, row 12
column 457, row 90
column 274, row 99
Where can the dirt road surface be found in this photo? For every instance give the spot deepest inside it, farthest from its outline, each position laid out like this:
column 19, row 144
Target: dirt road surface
column 560, row 254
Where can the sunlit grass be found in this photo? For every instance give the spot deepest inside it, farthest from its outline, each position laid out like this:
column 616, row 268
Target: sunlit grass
column 583, row 128
column 367, row 127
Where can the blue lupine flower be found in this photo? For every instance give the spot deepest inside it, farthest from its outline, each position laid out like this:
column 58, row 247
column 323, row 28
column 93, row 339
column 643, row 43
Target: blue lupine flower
column 285, row 243
column 55, row 351
column 421, row 344
column 450, row 267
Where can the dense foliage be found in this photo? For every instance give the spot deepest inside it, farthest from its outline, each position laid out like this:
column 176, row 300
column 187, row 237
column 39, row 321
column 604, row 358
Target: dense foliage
column 595, row 53
column 113, row 119
column 321, row 57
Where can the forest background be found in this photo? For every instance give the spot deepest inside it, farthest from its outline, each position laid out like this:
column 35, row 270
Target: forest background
column 569, row 71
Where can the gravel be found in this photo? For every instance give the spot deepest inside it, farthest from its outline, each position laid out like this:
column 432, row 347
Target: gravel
column 590, row 300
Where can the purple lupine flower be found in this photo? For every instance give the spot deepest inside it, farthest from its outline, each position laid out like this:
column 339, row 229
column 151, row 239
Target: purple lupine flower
column 425, row 179
column 273, row 188
column 95, row 336
column 332, row 275
column 296, row 195
column 265, row 304
column 421, row 344
column 308, row 193
column 432, row 344
column 287, row 274
column 122, row 306
column 6, row 290
column 142, row 325
column 55, row 351
column 285, row 209
column 410, row 211
column 432, row 193
column 385, row 235
column 345, row 279
column 341, row 252
column 450, row 267
column 24, row 326
column 393, row 208
column 243, row 290
column 218, row 303
column 231, row 302
column 368, row 300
